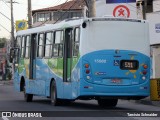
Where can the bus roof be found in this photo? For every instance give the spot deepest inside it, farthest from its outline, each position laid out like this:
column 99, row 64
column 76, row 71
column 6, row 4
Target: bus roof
column 72, row 22
column 49, row 27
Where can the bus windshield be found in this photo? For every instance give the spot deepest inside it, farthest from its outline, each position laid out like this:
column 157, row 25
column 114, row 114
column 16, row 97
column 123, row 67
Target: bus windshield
column 122, row 35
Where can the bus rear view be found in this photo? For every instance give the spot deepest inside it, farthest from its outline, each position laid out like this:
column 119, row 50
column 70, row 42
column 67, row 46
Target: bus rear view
column 115, row 60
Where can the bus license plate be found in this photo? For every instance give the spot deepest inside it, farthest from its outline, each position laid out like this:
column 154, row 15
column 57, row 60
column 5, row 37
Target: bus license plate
column 118, row 81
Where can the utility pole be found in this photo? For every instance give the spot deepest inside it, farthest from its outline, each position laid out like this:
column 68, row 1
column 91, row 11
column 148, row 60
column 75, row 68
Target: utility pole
column 29, row 14
column 12, row 25
column 144, row 9
column 91, row 4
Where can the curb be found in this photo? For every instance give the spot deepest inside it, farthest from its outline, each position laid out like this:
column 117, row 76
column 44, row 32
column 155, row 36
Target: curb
column 6, row 82
column 147, row 101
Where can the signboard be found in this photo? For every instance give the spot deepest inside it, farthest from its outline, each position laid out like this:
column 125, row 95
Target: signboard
column 21, row 25
column 116, row 8
column 157, row 28
column 154, row 27
column 120, row 1
column 156, row 4
column 121, row 11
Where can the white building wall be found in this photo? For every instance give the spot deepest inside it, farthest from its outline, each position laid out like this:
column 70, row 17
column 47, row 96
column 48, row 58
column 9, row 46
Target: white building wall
column 107, row 9
column 154, row 28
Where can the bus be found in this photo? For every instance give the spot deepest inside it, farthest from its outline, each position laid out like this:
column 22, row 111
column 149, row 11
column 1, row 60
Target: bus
column 104, row 59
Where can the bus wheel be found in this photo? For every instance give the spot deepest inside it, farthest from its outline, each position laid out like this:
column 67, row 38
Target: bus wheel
column 107, row 102
column 54, row 100
column 27, row 97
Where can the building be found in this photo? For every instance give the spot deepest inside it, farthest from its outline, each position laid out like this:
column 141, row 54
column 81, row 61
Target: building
column 154, row 25
column 78, row 8
column 74, row 8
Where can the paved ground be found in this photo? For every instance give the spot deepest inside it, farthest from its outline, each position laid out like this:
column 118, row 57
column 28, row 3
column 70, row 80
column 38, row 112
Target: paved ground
column 145, row 101
column 11, row 100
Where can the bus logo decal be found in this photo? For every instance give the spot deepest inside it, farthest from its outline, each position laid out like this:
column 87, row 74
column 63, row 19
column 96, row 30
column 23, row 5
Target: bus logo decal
column 100, row 73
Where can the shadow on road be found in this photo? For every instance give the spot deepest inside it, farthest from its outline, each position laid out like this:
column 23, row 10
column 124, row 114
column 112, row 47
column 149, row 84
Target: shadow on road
column 82, row 105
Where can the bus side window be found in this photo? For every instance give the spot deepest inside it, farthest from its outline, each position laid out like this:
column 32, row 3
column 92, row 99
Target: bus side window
column 48, row 44
column 18, row 42
column 27, row 46
column 76, row 42
column 23, row 46
column 40, row 45
column 58, row 44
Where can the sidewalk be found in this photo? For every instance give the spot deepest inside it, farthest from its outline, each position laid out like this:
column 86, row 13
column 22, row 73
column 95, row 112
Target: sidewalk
column 147, row 101
column 6, row 82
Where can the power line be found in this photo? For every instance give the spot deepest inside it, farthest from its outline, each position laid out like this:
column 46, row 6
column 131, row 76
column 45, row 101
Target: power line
column 65, row 12
column 5, row 28
column 6, row 4
column 5, row 16
column 57, row 2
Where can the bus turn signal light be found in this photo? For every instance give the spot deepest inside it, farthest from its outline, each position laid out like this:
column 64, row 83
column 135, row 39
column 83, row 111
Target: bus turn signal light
column 86, row 65
column 145, row 66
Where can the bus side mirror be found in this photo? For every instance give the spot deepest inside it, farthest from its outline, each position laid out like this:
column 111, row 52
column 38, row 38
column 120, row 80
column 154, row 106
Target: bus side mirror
column 11, row 55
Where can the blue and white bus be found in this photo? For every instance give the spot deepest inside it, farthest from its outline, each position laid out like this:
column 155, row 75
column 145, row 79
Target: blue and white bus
column 105, row 59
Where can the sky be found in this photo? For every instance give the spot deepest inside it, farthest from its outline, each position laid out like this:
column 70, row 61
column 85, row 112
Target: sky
column 20, row 12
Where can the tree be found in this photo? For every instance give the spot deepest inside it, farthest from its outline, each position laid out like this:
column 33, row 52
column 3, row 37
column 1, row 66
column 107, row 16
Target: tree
column 2, row 42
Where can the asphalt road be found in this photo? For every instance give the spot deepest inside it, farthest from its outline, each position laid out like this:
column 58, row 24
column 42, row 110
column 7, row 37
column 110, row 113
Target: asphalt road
column 11, row 101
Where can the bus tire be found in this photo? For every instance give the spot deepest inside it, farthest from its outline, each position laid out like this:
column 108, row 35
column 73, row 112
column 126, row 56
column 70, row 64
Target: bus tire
column 107, row 102
column 54, row 100
column 27, row 97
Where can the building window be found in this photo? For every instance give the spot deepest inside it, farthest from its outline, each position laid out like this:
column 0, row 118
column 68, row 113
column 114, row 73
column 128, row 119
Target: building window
column 58, row 44
column 48, row 44
column 34, row 18
column 43, row 17
column 40, row 45
column 56, row 16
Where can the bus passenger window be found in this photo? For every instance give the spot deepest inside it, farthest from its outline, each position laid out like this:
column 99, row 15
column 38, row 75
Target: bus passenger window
column 61, row 50
column 48, row 44
column 40, row 45
column 76, row 49
column 58, row 37
column 27, row 47
column 76, row 42
column 18, row 42
column 23, row 47
column 58, row 44
column 55, row 50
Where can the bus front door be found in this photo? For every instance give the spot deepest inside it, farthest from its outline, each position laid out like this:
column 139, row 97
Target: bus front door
column 32, row 66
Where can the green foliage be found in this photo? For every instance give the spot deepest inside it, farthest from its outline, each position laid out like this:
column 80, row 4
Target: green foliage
column 9, row 75
column 2, row 42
